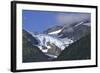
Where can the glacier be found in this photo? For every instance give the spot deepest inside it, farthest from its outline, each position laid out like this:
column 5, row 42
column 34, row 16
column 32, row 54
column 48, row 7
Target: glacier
column 59, row 43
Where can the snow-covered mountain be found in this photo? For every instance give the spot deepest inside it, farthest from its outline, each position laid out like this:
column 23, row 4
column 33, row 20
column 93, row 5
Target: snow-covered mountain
column 74, row 32
column 55, row 39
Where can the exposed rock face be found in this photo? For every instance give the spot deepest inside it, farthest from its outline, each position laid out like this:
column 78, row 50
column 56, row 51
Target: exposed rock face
column 53, row 50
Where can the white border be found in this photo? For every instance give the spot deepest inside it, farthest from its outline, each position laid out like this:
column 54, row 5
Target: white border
column 37, row 65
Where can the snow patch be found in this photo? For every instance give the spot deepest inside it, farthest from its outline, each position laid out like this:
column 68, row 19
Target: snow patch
column 55, row 32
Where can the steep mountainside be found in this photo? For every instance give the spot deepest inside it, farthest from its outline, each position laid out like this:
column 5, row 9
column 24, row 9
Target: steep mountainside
column 74, row 32
column 31, row 53
column 78, row 50
column 30, row 38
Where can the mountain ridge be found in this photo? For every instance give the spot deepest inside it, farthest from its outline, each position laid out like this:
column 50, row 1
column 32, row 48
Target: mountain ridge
column 79, row 50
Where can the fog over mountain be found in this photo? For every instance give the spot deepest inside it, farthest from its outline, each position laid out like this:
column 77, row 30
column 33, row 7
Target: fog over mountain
column 71, row 18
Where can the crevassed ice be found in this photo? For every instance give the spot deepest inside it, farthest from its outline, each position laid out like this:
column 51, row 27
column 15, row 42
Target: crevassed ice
column 61, row 43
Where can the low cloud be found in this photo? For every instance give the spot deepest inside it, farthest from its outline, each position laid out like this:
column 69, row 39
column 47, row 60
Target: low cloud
column 70, row 18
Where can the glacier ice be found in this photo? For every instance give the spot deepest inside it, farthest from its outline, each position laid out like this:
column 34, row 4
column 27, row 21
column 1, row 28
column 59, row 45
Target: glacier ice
column 60, row 44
